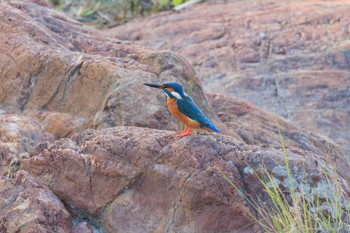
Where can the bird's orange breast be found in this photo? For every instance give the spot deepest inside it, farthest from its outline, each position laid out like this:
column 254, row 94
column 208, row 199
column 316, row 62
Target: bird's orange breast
column 174, row 110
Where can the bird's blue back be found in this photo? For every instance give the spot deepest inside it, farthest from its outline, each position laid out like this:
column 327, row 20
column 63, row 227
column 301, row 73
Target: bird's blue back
column 190, row 109
column 187, row 106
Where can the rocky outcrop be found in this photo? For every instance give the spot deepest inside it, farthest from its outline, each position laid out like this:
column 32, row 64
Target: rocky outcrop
column 50, row 63
column 28, row 207
column 128, row 179
column 256, row 126
column 59, row 124
column 70, row 77
column 288, row 57
column 19, row 138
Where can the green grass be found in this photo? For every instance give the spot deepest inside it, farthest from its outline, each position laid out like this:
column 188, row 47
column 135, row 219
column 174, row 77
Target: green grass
column 300, row 209
column 108, row 13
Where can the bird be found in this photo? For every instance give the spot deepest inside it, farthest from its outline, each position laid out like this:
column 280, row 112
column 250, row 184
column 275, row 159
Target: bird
column 183, row 108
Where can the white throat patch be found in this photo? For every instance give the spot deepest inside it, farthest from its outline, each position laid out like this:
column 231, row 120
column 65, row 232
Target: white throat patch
column 176, row 95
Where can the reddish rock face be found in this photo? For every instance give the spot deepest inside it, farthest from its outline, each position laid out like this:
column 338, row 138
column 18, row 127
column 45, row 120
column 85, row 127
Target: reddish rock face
column 19, row 138
column 288, row 57
column 257, row 126
column 130, row 179
column 51, row 63
column 138, row 179
column 83, row 227
column 59, row 124
column 26, row 206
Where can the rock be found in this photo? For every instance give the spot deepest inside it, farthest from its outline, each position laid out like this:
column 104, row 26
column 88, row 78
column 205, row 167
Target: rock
column 288, row 57
column 132, row 179
column 19, row 138
column 60, row 125
column 142, row 180
column 28, row 207
column 50, row 63
column 83, row 227
column 257, row 126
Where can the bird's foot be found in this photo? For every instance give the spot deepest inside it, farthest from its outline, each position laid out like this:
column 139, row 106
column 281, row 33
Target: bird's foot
column 185, row 132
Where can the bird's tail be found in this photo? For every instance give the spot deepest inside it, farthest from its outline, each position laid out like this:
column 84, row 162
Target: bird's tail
column 212, row 127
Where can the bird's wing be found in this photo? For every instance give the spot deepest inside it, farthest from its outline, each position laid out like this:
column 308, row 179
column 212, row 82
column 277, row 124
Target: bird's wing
column 190, row 109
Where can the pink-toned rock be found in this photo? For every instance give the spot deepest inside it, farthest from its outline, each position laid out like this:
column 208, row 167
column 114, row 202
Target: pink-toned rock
column 101, row 174
column 83, row 227
column 60, row 125
column 143, row 180
column 257, row 126
column 50, row 63
column 28, row 207
column 19, row 138
column 288, row 57
column 130, row 179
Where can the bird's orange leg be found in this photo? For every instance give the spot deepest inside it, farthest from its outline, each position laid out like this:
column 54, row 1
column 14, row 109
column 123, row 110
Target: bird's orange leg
column 185, row 132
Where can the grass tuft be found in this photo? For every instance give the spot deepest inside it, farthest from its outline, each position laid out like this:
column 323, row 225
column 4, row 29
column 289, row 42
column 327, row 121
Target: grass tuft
column 109, row 13
column 298, row 208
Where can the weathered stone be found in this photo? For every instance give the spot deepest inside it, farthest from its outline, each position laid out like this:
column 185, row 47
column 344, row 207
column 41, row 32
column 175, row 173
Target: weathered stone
column 129, row 179
column 143, row 180
column 83, row 227
column 60, row 125
column 49, row 62
column 28, row 207
column 288, row 57
column 257, row 126
column 19, row 138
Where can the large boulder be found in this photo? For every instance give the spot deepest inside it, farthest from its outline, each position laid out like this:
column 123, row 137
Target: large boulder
column 28, row 207
column 288, row 57
column 50, row 63
column 129, row 179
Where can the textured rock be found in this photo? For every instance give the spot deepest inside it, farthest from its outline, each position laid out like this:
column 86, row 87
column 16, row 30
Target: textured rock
column 288, row 57
column 257, row 126
column 19, row 138
column 83, row 227
column 143, row 180
column 129, row 179
column 49, row 62
column 60, row 125
column 28, row 207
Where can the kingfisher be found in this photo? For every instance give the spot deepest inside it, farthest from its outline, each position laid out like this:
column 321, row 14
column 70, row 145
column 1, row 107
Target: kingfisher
column 183, row 108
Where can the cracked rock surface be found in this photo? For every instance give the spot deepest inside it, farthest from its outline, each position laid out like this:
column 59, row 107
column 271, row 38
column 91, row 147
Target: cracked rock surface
column 288, row 57
column 19, row 138
column 256, row 126
column 141, row 180
column 77, row 149
column 27, row 206
column 51, row 66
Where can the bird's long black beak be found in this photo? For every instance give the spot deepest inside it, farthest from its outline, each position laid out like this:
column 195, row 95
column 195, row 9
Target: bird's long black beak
column 155, row 85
